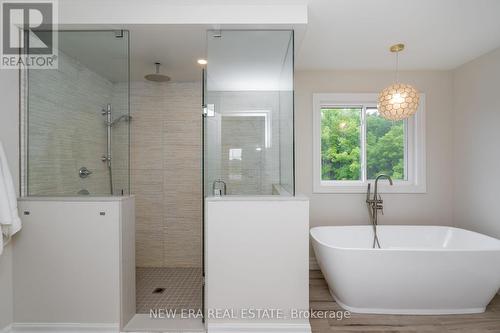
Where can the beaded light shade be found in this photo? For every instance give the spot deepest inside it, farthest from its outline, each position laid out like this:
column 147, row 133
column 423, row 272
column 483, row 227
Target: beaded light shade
column 398, row 101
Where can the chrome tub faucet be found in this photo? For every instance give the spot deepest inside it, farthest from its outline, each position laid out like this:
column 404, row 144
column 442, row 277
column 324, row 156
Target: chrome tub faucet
column 375, row 205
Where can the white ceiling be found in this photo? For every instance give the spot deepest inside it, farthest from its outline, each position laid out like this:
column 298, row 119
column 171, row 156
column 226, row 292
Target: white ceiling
column 177, row 48
column 439, row 34
column 340, row 35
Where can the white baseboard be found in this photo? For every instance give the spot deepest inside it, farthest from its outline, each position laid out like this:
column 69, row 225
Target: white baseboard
column 299, row 327
column 61, row 328
column 303, row 327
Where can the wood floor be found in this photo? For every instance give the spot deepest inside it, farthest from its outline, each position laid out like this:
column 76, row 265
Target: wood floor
column 320, row 299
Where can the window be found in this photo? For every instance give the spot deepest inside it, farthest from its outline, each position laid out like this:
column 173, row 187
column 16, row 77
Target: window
column 353, row 144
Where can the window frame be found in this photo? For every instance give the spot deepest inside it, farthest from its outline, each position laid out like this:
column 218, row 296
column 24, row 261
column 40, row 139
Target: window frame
column 415, row 155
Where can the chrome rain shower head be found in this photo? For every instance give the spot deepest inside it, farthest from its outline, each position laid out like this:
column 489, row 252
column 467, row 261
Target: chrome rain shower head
column 157, row 77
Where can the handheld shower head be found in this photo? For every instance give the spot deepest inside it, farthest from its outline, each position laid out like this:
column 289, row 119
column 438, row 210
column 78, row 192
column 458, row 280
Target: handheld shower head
column 124, row 117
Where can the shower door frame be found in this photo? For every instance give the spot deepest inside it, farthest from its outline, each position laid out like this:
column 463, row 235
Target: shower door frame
column 203, row 116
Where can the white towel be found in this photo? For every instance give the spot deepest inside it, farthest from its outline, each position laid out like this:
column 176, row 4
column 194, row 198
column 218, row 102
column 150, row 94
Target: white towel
column 10, row 223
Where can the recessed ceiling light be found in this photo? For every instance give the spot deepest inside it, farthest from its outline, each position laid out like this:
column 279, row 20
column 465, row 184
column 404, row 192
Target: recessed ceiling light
column 202, row 61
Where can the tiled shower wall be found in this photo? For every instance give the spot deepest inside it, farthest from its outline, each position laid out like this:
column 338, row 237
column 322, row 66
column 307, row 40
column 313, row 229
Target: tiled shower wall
column 166, row 173
column 66, row 129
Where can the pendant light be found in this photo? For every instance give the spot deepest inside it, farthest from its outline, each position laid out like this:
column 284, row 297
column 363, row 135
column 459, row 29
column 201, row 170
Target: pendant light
column 399, row 100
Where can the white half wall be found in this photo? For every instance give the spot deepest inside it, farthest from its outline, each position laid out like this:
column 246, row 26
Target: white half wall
column 9, row 136
column 256, row 252
column 67, row 262
column 476, row 145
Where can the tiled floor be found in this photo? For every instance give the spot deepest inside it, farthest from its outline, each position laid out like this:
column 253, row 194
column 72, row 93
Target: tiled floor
column 320, row 299
column 183, row 287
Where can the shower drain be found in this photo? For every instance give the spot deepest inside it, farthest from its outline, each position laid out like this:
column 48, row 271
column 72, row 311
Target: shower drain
column 158, row 290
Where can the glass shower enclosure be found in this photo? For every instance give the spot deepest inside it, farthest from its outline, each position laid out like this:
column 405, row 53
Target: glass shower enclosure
column 76, row 118
column 248, row 113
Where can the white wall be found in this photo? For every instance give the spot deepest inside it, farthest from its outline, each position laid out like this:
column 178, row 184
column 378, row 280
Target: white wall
column 476, row 144
column 433, row 207
column 9, row 133
column 6, row 292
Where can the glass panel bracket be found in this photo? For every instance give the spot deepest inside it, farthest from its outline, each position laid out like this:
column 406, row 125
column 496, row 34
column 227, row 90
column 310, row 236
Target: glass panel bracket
column 209, row 110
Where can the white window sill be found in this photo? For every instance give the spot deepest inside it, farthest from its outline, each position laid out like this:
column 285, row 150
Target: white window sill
column 399, row 187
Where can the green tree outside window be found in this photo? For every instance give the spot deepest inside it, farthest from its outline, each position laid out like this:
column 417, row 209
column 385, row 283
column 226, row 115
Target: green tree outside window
column 341, row 144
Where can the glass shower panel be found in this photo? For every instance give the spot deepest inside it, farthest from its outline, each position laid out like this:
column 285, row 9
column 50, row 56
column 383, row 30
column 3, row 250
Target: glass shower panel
column 76, row 118
column 286, row 122
column 249, row 112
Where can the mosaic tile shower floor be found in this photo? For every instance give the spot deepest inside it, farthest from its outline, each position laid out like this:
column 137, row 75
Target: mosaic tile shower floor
column 182, row 288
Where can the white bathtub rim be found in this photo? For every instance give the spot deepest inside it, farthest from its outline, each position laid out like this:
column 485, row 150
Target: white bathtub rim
column 403, row 249
column 418, row 312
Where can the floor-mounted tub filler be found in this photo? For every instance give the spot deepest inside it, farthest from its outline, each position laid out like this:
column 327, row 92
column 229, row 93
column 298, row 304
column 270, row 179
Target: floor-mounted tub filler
column 422, row 270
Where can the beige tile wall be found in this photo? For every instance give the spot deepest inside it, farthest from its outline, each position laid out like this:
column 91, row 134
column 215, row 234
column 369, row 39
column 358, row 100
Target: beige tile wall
column 66, row 129
column 166, row 173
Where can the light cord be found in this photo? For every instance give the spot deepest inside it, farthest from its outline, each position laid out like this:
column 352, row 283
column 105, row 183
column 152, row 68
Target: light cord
column 397, row 67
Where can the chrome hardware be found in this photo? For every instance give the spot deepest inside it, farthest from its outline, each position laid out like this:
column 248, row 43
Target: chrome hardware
column 374, row 206
column 217, row 189
column 217, row 33
column 209, row 110
column 107, row 112
column 84, row 172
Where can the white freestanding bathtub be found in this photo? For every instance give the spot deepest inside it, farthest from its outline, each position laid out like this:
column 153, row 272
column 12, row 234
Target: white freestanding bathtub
column 418, row 270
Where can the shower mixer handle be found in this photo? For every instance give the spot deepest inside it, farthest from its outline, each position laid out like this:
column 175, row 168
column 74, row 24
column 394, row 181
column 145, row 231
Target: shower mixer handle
column 84, row 172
